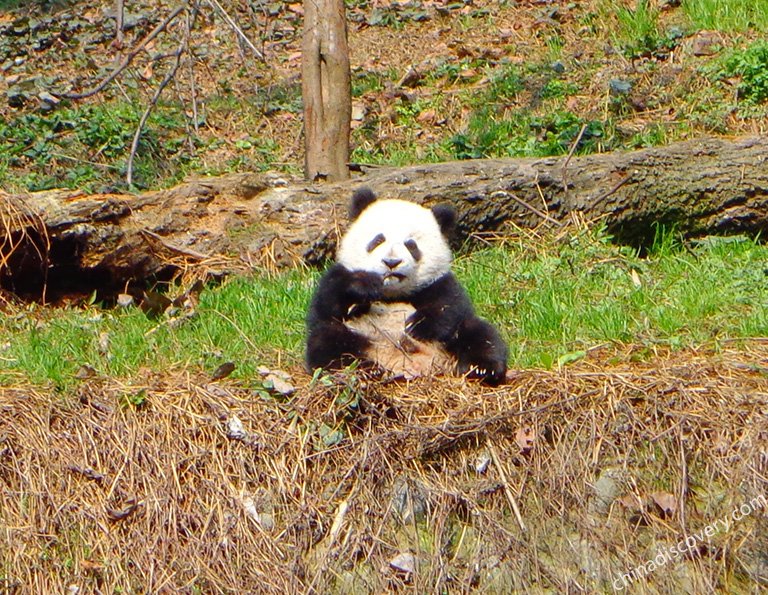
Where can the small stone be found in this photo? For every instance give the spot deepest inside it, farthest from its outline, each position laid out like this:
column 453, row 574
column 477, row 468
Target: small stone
column 482, row 462
column 235, row 429
column 620, row 87
column 409, row 501
column 358, row 112
column 405, row 562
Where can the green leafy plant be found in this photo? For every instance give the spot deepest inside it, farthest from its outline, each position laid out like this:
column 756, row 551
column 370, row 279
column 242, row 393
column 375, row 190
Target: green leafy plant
column 639, row 28
column 638, row 31
column 520, row 134
column 750, row 66
column 87, row 146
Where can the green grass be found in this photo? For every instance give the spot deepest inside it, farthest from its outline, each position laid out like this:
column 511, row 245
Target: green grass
column 553, row 301
column 521, row 133
column 246, row 321
column 636, row 29
column 727, row 15
column 584, row 293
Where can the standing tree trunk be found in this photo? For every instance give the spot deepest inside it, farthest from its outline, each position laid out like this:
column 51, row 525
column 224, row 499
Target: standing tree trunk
column 326, row 90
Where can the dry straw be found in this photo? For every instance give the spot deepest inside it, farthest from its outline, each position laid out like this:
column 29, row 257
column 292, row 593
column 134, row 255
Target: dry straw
column 181, row 485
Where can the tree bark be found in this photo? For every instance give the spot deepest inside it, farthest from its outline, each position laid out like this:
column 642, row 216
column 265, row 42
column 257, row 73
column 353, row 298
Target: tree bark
column 66, row 241
column 326, row 90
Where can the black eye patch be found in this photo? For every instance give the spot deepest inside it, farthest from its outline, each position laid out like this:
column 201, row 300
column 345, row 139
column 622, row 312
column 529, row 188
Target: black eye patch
column 413, row 248
column 375, row 242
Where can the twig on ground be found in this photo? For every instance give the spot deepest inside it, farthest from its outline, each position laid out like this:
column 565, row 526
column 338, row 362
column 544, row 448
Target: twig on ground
column 177, row 249
column 528, row 206
column 570, row 154
column 611, row 190
column 507, row 490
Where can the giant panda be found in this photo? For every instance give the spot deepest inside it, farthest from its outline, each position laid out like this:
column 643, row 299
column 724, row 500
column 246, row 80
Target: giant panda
column 391, row 300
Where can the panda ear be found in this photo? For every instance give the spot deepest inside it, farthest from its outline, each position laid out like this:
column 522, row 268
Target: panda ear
column 360, row 200
column 446, row 218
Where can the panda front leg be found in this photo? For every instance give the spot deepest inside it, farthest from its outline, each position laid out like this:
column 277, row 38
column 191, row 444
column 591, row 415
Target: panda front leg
column 480, row 351
column 331, row 345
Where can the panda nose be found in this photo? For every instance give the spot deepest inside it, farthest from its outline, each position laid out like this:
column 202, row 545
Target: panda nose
column 392, row 262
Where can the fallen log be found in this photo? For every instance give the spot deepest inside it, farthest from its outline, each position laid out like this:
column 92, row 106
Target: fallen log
column 64, row 241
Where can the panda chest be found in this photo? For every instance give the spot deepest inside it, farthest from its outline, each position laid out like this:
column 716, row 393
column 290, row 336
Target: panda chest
column 392, row 348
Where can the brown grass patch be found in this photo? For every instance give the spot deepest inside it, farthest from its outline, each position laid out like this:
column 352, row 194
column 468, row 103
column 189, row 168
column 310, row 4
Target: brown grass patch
column 152, row 488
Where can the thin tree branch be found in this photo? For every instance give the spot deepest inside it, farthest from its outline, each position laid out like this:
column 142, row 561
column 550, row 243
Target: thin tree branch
column 236, row 29
column 119, row 22
column 531, row 208
column 192, row 85
column 129, row 58
column 570, row 154
column 168, row 78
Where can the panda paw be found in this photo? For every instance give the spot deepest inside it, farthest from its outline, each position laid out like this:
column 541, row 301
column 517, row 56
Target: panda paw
column 365, row 287
column 489, row 370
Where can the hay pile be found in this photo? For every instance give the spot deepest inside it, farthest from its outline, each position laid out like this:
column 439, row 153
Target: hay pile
column 562, row 481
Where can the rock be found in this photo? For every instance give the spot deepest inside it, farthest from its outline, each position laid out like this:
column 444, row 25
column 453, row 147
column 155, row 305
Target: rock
column 706, row 43
column 125, row 300
column 409, row 501
column 619, row 87
column 606, row 488
column 235, row 429
column 405, row 562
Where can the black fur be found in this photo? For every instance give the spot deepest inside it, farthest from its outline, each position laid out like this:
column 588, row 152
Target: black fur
column 360, row 199
column 446, row 218
column 444, row 314
column 340, row 295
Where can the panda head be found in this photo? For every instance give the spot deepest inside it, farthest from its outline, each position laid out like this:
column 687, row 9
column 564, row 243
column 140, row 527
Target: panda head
column 402, row 241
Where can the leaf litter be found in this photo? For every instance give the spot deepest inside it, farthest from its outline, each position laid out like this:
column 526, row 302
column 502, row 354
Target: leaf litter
column 212, row 487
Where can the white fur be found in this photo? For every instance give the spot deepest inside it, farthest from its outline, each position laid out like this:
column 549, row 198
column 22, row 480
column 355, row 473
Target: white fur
column 398, row 221
column 393, row 349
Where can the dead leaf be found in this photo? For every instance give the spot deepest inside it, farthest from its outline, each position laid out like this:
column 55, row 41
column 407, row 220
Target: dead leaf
column 427, row 117
column 525, row 438
column 278, row 385
column 84, row 372
column 630, row 502
column 223, row 371
column 154, row 303
column 103, row 343
column 89, row 566
column 666, row 502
